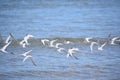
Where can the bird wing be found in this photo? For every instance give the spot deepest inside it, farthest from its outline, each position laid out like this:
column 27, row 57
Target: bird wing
column 13, row 37
column 28, row 36
column 27, row 52
column 24, row 45
column 33, row 61
column 75, row 49
column 115, row 38
column 88, row 39
column 60, row 49
column 26, row 57
column 26, row 40
column 57, row 45
column 21, row 42
column 51, row 43
column 15, row 54
column 4, row 47
column 30, row 59
column 7, row 40
column 43, row 42
column 91, row 46
column 70, row 54
column 103, row 45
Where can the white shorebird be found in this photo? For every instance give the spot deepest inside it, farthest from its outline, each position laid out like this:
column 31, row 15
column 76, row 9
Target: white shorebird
column 61, row 50
column 71, row 51
column 101, row 47
column 3, row 49
column 113, row 40
column 52, row 43
column 30, row 57
column 11, row 37
column 57, row 45
column 24, row 42
column 88, row 39
column 26, row 56
column 28, row 36
column 44, row 41
column 91, row 46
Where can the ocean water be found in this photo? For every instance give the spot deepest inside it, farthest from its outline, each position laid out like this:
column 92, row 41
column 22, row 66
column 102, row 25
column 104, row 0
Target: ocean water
column 63, row 20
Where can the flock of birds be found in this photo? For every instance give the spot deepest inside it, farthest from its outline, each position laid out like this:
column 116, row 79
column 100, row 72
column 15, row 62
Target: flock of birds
column 51, row 43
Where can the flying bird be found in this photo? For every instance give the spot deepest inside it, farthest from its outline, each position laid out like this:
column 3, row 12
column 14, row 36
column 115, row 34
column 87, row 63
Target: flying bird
column 29, row 57
column 71, row 51
column 9, row 38
column 101, row 47
column 61, row 50
column 91, row 46
column 24, row 42
column 26, row 56
column 113, row 40
column 57, row 45
column 44, row 41
column 52, row 43
column 88, row 39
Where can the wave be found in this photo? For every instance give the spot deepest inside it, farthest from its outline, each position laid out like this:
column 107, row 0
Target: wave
column 37, row 41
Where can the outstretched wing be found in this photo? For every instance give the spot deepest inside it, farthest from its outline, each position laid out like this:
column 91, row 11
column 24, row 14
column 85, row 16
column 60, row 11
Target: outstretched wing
column 88, row 39
column 44, row 40
column 28, row 36
column 25, row 58
column 60, row 49
column 28, row 52
column 7, row 40
column 91, row 46
column 30, row 59
column 13, row 37
column 33, row 62
column 57, row 45
column 4, row 47
column 103, row 45
column 115, row 38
